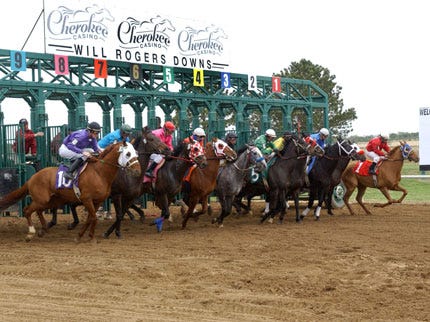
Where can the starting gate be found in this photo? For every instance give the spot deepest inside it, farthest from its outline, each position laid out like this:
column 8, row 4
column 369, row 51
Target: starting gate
column 39, row 83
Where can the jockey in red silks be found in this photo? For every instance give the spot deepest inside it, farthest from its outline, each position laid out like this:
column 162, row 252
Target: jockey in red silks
column 198, row 135
column 375, row 150
column 165, row 135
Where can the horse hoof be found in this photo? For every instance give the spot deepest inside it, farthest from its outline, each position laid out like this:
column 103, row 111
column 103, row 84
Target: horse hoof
column 221, row 226
column 118, row 235
column 72, row 226
column 29, row 237
column 280, row 221
column 214, row 220
column 317, row 218
column 50, row 224
column 301, row 218
column 270, row 221
column 105, row 235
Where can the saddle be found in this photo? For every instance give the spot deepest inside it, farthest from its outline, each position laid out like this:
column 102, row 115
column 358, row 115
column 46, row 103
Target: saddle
column 362, row 168
column 63, row 183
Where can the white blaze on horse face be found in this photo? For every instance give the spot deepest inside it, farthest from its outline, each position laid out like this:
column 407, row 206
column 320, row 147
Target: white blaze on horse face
column 127, row 152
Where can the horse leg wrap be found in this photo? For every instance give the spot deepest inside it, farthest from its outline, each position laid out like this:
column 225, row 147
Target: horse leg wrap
column 267, row 208
column 306, row 211
column 31, row 230
column 317, row 212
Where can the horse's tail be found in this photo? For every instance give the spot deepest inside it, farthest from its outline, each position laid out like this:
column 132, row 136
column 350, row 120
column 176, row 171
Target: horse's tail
column 14, row 197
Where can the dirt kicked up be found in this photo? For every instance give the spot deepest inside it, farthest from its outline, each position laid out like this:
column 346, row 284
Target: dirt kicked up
column 344, row 268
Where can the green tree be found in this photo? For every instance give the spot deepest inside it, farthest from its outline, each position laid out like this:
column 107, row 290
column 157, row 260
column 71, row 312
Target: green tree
column 340, row 118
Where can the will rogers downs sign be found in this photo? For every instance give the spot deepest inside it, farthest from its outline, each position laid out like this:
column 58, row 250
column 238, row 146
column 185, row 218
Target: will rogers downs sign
column 97, row 30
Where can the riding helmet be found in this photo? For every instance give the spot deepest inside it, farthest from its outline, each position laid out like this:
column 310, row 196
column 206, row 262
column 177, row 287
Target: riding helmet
column 231, row 135
column 199, row 132
column 23, row 121
column 324, row 132
column 169, row 126
column 94, row 126
column 125, row 128
column 271, row 133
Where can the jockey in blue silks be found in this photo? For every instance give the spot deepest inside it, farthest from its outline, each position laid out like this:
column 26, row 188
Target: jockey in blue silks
column 320, row 138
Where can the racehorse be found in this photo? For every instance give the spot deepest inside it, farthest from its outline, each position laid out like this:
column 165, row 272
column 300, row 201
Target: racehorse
column 203, row 181
column 232, row 177
column 320, row 175
column 286, row 176
column 127, row 188
column 168, row 182
column 94, row 184
column 388, row 177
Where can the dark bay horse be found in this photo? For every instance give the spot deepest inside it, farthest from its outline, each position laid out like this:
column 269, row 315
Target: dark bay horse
column 203, row 181
column 232, row 176
column 126, row 188
column 388, row 178
column 94, row 183
column 336, row 177
column 320, row 176
column 169, row 177
column 286, row 176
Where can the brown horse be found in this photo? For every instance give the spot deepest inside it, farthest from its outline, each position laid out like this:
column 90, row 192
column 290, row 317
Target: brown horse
column 94, row 184
column 387, row 179
column 203, row 181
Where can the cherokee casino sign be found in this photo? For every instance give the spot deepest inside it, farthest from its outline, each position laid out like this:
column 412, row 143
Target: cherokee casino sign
column 104, row 31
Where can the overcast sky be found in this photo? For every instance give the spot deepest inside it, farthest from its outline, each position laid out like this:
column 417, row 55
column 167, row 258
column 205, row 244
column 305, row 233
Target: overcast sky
column 378, row 49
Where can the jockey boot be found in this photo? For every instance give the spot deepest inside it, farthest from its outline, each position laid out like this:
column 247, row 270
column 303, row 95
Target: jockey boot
column 75, row 166
column 372, row 169
column 149, row 171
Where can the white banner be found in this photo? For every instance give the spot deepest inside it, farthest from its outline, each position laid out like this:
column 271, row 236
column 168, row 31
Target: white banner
column 104, row 31
column 424, row 138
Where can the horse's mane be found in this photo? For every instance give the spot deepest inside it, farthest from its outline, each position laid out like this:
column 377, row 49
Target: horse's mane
column 242, row 149
column 106, row 151
column 394, row 150
column 177, row 150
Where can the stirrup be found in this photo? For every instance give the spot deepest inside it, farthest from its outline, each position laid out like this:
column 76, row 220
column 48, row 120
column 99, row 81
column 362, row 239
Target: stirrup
column 149, row 174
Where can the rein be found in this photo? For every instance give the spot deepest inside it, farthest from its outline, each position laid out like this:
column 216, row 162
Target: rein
column 181, row 158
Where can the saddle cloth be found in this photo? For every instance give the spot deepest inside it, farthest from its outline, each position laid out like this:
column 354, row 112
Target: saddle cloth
column 362, row 168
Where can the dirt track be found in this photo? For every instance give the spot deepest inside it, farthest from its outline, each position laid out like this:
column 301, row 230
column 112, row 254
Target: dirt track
column 341, row 268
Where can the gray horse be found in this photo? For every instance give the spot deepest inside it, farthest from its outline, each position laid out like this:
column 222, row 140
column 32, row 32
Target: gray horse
column 232, row 176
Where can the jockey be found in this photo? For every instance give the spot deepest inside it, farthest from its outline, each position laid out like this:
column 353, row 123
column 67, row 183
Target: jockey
column 165, row 135
column 198, row 135
column 279, row 143
column 231, row 140
column 319, row 138
column 265, row 143
column 123, row 133
column 79, row 145
column 374, row 150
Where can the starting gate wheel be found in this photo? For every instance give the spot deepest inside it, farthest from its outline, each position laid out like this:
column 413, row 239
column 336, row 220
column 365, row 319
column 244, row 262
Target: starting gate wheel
column 337, row 197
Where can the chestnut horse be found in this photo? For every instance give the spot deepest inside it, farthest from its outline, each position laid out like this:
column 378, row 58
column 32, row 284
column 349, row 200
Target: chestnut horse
column 94, row 184
column 203, row 181
column 388, row 178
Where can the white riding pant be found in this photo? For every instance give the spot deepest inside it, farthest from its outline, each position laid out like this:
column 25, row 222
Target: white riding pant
column 373, row 156
column 157, row 158
column 64, row 152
